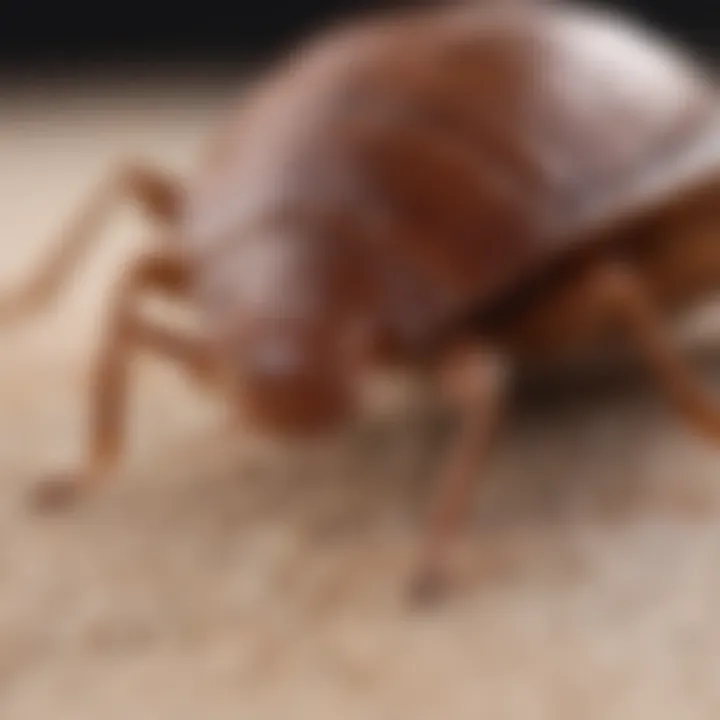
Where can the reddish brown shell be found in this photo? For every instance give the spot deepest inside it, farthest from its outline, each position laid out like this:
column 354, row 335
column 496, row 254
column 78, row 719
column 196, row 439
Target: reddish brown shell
column 462, row 148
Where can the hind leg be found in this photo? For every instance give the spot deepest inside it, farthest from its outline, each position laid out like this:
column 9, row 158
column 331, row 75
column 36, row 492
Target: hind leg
column 127, row 332
column 159, row 198
column 615, row 297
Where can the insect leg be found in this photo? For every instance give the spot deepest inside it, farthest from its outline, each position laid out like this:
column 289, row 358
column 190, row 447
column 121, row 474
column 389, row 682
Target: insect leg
column 126, row 333
column 158, row 196
column 615, row 294
column 476, row 382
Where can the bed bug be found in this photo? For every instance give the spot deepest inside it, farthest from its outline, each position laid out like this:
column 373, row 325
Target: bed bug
column 450, row 190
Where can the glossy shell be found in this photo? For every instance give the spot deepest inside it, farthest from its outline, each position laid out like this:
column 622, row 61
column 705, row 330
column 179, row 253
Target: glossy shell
column 460, row 149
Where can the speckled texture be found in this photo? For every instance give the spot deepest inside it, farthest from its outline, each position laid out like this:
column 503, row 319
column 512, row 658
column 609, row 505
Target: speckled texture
column 192, row 588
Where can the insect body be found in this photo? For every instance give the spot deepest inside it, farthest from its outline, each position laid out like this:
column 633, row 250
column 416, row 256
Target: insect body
column 452, row 190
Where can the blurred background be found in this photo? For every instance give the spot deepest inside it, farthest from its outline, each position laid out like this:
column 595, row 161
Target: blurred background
column 197, row 585
column 71, row 32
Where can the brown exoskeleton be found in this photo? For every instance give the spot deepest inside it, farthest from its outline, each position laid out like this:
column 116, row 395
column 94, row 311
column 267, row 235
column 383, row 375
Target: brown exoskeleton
column 449, row 190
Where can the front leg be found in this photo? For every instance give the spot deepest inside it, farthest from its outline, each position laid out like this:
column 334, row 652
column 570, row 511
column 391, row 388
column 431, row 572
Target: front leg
column 127, row 332
column 158, row 196
column 475, row 381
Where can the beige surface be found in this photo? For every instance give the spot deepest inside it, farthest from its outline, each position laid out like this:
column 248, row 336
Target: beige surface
column 190, row 589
